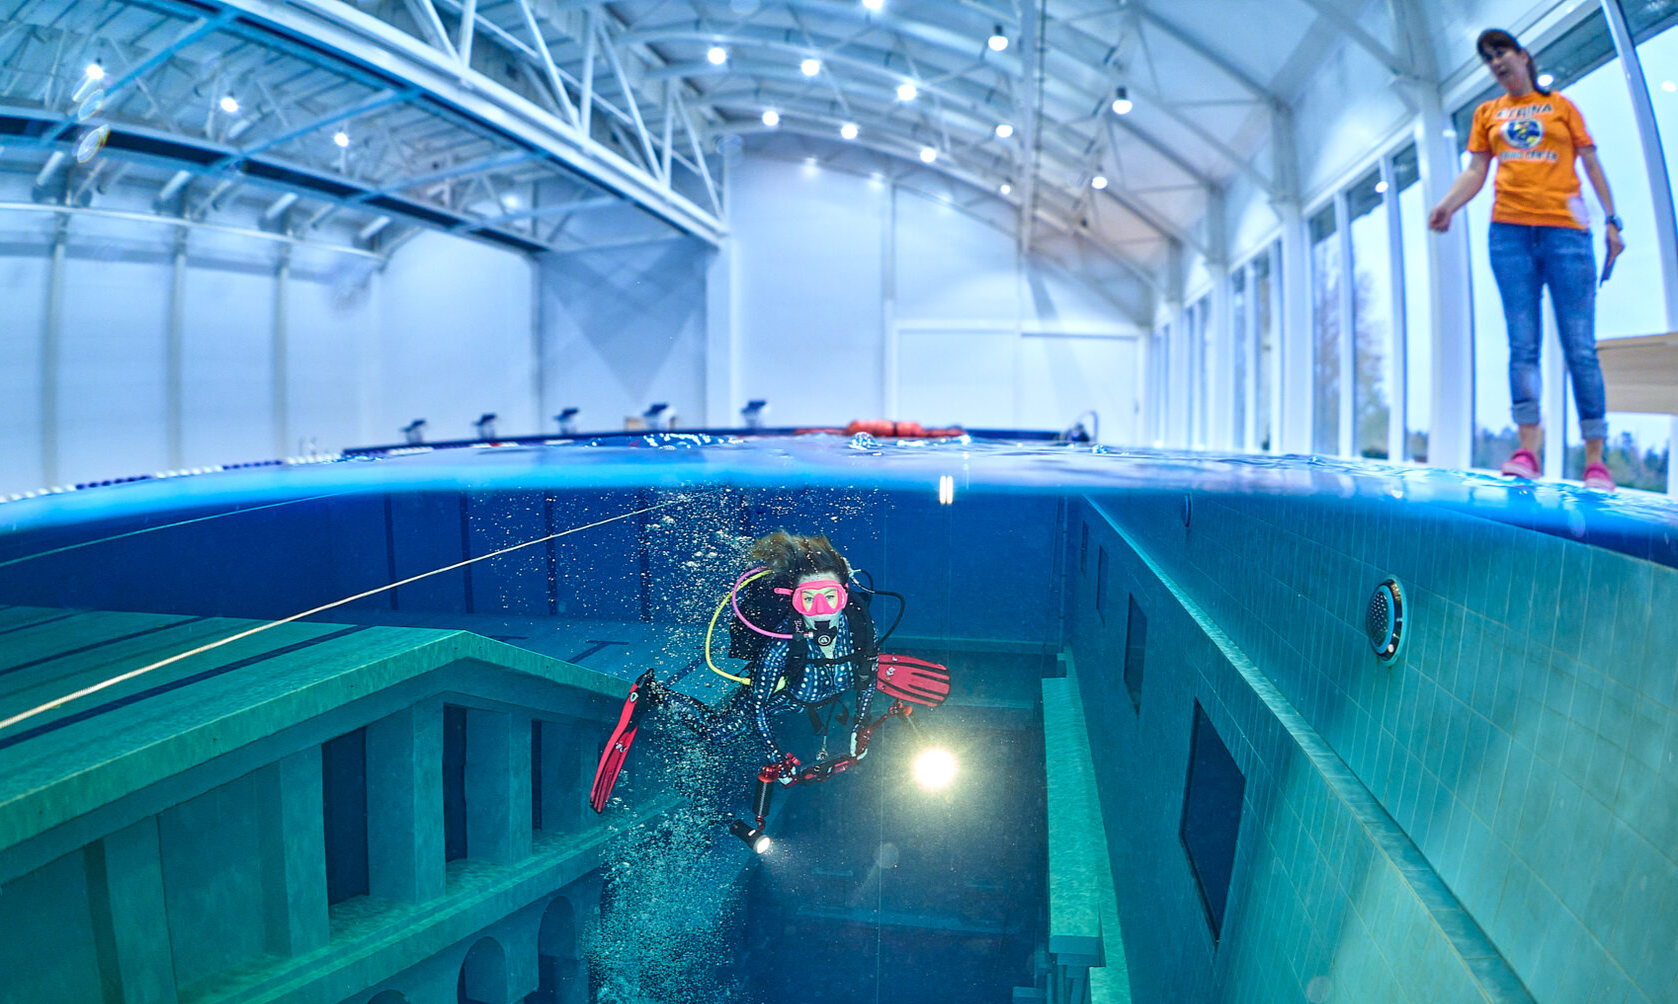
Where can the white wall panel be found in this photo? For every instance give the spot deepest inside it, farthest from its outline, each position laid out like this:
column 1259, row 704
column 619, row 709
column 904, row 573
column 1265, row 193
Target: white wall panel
column 227, row 371
column 952, row 266
column 333, row 329
column 457, row 338
column 111, row 386
column 23, row 294
column 808, row 254
column 623, row 328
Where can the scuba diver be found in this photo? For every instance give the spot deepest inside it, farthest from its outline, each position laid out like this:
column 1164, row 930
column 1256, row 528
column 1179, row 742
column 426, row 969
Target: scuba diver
column 804, row 627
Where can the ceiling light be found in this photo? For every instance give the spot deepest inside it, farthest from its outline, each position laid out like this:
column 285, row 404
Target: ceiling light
column 510, row 201
column 907, row 90
column 1122, row 103
column 771, row 118
column 1546, row 79
column 1006, row 189
column 716, row 55
column 1098, row 182
column 1668, row 86
column 1004, row 130
column 1380, row 188
column 848, row 130
column 95, row 71
column 341, row 138
column 873, row 4
column 230, row 104
column 928, row 155
column 998, row 41
column 810, row 67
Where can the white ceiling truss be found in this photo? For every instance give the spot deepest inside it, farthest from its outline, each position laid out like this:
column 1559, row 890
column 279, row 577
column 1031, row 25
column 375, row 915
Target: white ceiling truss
column 551, row 124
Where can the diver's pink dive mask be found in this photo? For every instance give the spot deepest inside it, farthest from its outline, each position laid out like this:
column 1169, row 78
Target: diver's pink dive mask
column 818, row 597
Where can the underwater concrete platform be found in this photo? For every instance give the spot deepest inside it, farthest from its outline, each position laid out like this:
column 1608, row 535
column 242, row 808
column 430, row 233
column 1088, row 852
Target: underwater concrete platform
column 188, row 832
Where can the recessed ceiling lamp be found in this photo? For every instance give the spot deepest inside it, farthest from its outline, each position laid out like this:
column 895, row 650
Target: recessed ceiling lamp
column 873, row 4
column 1098, row 182
column 907, row 90
column 848, row 130
column 1122, row 103
column 95, row 71
column 997, row 40
column 771, row 118
column 1546, row 79
column 1380, row 188
column 928, row 155
column 341, row 138
column 1004, row 130
column 229, row 104
column 1006, row 189
column 716, row 55
column 810, row 67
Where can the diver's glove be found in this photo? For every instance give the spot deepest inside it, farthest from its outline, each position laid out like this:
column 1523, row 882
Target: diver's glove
column 787, row 769
column 859, row 742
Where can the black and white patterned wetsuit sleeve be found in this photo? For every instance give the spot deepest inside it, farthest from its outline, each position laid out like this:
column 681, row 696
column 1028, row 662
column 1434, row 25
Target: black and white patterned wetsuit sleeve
column 866, row 670
column 765, row 674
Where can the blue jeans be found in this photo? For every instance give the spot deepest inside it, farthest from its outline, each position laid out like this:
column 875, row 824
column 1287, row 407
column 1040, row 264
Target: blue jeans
column 1525, row 259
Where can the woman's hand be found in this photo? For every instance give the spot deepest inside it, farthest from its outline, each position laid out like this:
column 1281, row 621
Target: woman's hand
column 1611, row 237
column 1439, row 218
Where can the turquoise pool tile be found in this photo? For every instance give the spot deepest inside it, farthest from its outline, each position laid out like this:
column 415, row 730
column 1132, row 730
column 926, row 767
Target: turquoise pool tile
column 1570, row 608
column 1587, row 698
column 1577, row 750
column 1652, row 933
column 1637, row 787
column 1555, row 957
column 1660, row 652
column 1607, row 761
column 1647, row 734
column 1618, row 709
column 1609, row 574
column 1614, row 877
column 1587, row 841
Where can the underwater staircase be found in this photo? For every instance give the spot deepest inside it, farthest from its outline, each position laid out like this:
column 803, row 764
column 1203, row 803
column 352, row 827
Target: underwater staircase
column 269, row 819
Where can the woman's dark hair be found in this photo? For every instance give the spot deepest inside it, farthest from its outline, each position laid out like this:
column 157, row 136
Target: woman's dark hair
column 1493, row 39
column 789, row 557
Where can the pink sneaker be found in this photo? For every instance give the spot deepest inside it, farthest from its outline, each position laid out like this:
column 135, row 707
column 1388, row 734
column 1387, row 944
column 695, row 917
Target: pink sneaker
column 1597, row 476
column 1523, row 464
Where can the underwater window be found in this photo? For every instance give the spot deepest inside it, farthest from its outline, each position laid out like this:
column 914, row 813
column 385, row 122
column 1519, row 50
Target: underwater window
column 1211, row 816
column 1135, row 647
column 1101, row 582
column 454, row 782
column 343, row 775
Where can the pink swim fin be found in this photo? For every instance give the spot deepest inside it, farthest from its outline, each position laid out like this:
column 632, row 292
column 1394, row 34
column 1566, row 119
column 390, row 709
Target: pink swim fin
column 910, row 679
column 617, row 747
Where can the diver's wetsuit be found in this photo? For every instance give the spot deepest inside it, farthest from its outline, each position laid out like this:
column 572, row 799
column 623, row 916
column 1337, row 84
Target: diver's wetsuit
column 754, row 704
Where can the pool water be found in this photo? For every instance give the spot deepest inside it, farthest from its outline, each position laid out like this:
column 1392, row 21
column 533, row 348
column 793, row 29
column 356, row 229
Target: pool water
column 326, row 732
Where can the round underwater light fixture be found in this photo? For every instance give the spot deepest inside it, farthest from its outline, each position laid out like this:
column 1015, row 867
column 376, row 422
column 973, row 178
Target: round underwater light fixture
column 935, row 769
column 1384, row 621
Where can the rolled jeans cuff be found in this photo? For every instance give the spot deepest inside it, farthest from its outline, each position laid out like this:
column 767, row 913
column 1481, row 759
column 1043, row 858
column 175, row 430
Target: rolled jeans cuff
column 1527, row 413
column 1593, row 428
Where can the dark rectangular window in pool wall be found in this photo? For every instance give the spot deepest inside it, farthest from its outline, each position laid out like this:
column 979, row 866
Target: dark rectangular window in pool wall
column 454, row 782
column 343, row 775
column 1101, row 582
column 1084, row 547
column 1211, row 816
column 535, row 775
column 1135, row 647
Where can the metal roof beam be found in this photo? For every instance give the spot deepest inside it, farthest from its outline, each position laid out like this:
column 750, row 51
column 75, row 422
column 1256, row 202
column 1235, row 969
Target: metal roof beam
column 1349, row 27
column 411, row 63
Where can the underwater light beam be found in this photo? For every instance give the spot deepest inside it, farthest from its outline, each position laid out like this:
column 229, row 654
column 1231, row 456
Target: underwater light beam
column 131, row 674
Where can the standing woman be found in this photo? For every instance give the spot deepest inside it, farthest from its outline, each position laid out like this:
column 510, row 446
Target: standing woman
column 1540, row 236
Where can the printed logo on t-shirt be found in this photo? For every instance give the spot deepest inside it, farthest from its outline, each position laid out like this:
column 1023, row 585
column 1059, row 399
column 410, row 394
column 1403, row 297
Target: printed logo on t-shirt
column 1523, row 134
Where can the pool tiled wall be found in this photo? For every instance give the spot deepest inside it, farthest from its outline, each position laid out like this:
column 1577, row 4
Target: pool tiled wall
column 1521, row 749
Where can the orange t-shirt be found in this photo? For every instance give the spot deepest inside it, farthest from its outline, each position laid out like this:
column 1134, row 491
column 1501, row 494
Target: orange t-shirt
column 1535, row 139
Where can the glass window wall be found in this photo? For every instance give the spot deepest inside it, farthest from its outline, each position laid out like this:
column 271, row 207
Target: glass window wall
column 1325, row 333
column 1372, row 316
column 1418, row 305
column 1238, row 332
column 1264, row 339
